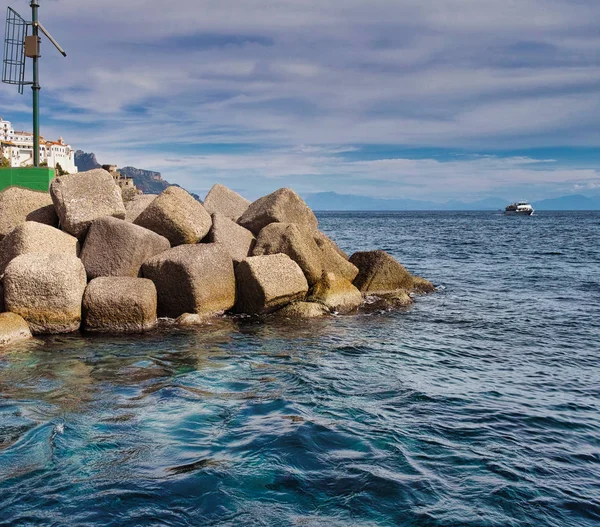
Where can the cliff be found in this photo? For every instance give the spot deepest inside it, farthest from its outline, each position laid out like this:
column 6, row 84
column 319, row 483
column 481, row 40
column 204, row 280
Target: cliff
column 147, row 181
column 85, row 161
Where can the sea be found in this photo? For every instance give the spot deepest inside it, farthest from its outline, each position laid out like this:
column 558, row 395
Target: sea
column 478, row 406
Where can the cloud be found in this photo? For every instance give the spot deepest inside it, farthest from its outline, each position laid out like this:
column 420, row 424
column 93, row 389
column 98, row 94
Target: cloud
column 292, row 81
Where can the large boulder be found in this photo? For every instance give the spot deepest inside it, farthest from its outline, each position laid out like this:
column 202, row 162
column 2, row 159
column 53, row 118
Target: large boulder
column 192, row 279
column 177, row 216
column 333, row 259
column 222, row 200
column 324, row 241
column 299, row 245
column 46, row 290
column 81, row 198
column 379, row 273
column 18, row 205
column 266, row 283
column 301, row 310
column 32, row 237
column 1, row 297
column 118, row 248
column 337, row 293
column 135, row 206
column 13, row 328
column 119, row 305
column 282, row 206
column 237, row 241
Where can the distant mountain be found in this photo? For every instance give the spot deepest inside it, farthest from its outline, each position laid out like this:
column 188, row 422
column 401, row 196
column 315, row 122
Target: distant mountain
column 85, row 161
column 335, row 201
column 572, row 202
column 147, row 181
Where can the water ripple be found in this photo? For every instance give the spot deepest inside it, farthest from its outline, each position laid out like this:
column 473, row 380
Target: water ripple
column 478, row 406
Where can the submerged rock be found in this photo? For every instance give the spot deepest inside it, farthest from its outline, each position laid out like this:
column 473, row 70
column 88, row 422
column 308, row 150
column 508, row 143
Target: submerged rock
column 300, row 310
column 138, row 204
column 13, row 328
column 282, row 206
column 237, row 241
column 177, row 216
column 46, row 290
column 192, row 279
column 266, row 283
column 118, row 248
column 32, row 237
column 222, row 200
column 396, row 300
column 337, row 293
column 300, row 246
column 81, row 198
column 379, row 273
column 193, row 319
column 119, row 304
column 18, row 205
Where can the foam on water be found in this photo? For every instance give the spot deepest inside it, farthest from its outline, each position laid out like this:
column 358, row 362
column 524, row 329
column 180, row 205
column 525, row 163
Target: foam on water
column 477, row 406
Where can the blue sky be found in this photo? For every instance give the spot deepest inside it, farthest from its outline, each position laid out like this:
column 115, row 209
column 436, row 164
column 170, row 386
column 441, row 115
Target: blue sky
column 437, row 100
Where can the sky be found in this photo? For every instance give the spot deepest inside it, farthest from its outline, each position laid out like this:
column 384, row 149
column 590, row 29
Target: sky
column 420, row 99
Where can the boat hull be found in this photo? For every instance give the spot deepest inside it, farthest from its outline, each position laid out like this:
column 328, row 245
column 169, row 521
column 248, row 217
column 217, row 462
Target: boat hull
column 518, row 213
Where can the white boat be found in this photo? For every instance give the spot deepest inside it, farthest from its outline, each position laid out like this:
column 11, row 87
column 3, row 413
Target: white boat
column 522, row 208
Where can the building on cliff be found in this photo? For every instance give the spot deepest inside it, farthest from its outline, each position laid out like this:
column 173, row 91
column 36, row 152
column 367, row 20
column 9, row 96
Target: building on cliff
column 125, row 183
column 17, row 147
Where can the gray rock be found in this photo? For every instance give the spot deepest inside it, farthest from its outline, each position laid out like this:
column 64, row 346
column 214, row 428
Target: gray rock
column 18, row 205
column 135, row 206
column 300, row 310
column 192, row 279
column 119, row 305
column 379, row 273
column 81, row 198
column 333, row 259
column 324, row 241
column 1, row 298
column 282, row 206
column 237, row 241
column 266, row 283
column 337, row 293
column 46, row 290
column 177, row 216
column 222, row 200
column 13, row 328
column 118, row 248
column 299, row 245
column 32, row 237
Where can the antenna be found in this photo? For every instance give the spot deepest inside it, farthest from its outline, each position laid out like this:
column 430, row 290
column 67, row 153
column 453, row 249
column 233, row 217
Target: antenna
column 19, row 45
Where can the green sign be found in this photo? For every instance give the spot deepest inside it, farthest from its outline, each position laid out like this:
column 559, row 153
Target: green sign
column 28, row 177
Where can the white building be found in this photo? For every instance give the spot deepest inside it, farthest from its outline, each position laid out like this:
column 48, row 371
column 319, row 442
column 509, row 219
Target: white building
column 6, row 130
column 17, row 147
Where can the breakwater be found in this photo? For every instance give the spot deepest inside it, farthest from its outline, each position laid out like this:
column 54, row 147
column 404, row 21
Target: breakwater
column 80, row 257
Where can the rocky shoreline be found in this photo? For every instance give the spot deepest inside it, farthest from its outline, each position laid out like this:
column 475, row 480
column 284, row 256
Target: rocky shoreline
column 79, row 258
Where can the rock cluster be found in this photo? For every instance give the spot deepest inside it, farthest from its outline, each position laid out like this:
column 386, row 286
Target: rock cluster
column 77, row 257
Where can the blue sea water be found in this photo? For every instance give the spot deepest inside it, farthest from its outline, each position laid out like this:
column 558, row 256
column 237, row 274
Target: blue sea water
column 477, row 406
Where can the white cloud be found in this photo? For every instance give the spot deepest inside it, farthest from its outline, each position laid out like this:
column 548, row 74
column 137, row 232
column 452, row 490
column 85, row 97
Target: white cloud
column 467, row 74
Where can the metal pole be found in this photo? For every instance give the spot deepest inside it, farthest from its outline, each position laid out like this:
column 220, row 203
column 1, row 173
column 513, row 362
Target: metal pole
column 36, row 89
